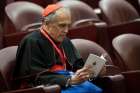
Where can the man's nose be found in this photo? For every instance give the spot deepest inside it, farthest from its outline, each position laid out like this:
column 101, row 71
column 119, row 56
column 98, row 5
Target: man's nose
column 66, row 29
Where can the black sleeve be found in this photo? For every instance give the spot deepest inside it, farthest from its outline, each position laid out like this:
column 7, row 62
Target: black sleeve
column 73, row 55
column 32, row 59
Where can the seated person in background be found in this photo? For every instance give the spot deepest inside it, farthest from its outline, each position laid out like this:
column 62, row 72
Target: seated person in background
column 49, row 52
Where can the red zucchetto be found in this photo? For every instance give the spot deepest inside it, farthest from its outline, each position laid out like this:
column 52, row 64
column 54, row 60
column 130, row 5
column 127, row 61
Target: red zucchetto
column 50, row 8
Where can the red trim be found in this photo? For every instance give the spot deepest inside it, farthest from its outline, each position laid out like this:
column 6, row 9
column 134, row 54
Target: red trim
column 61, row 53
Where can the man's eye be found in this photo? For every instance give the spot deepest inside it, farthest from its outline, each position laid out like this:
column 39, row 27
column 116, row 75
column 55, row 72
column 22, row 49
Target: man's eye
column 62, row 25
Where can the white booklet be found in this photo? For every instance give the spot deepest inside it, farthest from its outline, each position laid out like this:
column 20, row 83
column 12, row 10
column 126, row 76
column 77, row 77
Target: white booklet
column 97, row 63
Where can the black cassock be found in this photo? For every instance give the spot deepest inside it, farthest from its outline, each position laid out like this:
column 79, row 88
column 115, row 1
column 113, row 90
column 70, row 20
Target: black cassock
column 36, row 53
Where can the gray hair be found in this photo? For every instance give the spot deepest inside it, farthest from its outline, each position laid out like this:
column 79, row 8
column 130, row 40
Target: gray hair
column 51, row 17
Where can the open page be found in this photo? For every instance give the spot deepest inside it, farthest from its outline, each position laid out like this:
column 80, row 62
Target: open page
column 97, row 63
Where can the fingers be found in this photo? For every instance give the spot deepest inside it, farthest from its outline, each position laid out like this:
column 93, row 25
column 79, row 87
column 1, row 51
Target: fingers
column 83, row 76
column 81, row 70
column 86, row 77
column 85, row 73
column 84, row 69
column 76, row 79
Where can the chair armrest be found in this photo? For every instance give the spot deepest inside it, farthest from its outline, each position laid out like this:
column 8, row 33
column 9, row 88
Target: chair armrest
column 85, row 22
column 52, row 89
column 111, row 84
column 98, row 12
column 14, row 38
column 132, row 80
column 31, row 27
column 38, row 89
column 112, row 70
column 128, row 27
column 100, row 25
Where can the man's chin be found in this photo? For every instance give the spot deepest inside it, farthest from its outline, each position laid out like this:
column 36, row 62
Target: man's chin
column 61, row 39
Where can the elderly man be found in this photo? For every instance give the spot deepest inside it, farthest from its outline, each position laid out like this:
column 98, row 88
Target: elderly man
column 50, row 56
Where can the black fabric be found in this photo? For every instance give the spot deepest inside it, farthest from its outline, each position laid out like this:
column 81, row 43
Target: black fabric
column 36, row 54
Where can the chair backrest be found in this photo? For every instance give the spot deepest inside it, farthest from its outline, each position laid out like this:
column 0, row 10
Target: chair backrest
column 23, row 13
column 85, row 22
column 85, row 47
column 94, row 32
column 7, row 63
column 117, row 11
column 87, row 32
column 127, row 50
column 42, row 3
column 79, row 10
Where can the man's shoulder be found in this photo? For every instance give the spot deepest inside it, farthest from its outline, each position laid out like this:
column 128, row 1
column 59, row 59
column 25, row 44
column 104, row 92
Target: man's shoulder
column 66, row 42
column 35, row 35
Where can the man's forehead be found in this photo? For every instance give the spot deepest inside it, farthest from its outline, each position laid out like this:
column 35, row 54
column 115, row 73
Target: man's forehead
column 62, row 15
column 62, row 11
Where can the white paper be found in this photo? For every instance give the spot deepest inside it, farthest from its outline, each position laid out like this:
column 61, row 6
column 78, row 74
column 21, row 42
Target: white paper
column 97, row 63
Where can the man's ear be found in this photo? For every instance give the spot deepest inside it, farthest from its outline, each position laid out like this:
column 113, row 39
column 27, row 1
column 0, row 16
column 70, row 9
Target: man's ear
column 44, row 25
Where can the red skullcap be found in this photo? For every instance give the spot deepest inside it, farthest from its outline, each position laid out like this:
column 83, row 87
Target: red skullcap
column 50, row 8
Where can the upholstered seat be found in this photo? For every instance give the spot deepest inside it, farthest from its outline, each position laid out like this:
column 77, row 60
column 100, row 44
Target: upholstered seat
column 22, row 14
column 113, row 81
column 7, row 64
column 80, row 10
column 117, row 11
column 127, row 50
column 85, row 47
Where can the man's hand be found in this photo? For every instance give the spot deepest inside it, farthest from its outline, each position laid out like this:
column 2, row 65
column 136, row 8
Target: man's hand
column 81, row 75
column 103, row 71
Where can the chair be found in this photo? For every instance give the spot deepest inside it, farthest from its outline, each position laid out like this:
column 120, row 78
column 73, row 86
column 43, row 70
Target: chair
column 127, row 50
column 22, row 15
column 7, row 61
column 86, row 22
column 86, row 32
column 80, row 10
column 85, row 47
column 121, row 17
column 14, row 38
column 117, row 11
column 112, row 82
